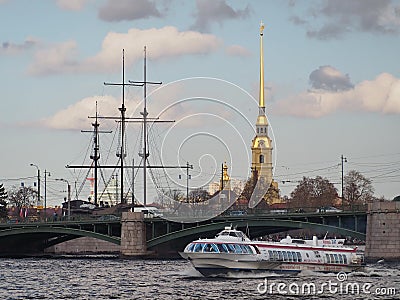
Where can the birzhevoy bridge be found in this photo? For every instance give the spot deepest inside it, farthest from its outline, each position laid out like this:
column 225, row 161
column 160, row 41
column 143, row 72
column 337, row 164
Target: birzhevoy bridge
column 138, row 236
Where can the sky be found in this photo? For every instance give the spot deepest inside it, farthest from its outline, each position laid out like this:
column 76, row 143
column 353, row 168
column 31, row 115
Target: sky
column 332, row 82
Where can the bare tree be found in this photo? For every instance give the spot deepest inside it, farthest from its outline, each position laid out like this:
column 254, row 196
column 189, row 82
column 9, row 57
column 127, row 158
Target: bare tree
column 199, row 195
column 313, row 193
column 357, row 189
column 23, row 196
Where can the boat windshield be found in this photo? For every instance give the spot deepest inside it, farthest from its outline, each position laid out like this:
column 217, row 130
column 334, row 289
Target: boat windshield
column 219, row 248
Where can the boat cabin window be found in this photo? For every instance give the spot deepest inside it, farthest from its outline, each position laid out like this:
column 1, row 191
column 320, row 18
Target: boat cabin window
column 271, row 255
column 340, row 259
column 336, row 258
column 344, row 259
column 224, row 233
column 198, row 247
column 332, row 258
column 299, row 257
column 221, row 248
column 238, row 249
column 231, row 248
column 328, row 259
column 294, row 256
column 290, row 257
column 298, row 242
column 245, row 249
column 285, row 255
column 190, row 247
column 280, row 256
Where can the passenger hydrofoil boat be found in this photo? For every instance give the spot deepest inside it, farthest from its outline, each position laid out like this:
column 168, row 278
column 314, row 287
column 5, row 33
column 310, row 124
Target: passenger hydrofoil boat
column 232, row 251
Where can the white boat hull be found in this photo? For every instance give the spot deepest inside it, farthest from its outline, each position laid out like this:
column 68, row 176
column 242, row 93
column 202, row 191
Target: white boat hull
column 221, row 263
column 216, row 264
column 232, row 251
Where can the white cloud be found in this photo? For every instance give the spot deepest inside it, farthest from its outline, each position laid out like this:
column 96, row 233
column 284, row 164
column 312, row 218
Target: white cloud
column 381, row 95
column 161, row 43
column 237, row 50
column 56, row 59
column 75, row 116
column 74, row 5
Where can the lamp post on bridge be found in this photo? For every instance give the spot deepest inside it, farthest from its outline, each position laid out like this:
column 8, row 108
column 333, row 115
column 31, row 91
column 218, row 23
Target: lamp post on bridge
column 343, row 159
column 46, row 173
column 38, row 175
column 69, row 196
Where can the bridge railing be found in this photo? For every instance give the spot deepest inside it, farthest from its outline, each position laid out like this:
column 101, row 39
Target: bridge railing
column 232, row 211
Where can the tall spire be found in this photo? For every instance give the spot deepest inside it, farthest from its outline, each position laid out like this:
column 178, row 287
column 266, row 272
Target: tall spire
column 261, row 93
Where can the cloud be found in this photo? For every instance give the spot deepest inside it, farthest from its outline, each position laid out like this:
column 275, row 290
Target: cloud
column 338, row 17
column 74, row 5
column 115, row 11
column 236, row 50
column 75, row 116
column 380, row 95
column 56, row 59
column 211, row 11
column 13, row 48
column 330, row 79
column 166, row 42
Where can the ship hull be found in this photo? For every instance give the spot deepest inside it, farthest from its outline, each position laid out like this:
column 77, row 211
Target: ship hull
column 219, row 264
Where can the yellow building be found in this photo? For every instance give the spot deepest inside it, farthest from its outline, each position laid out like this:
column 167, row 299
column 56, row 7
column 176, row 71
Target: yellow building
column 225, row 181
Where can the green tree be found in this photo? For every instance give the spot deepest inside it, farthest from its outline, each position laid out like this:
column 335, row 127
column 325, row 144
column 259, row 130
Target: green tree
column 3, row 202
column 312, row 193
column 358, row 189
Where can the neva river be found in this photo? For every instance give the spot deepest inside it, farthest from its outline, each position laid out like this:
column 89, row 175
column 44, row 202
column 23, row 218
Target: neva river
column 176, row 279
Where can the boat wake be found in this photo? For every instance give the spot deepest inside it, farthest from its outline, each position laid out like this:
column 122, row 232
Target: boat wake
column 252, row 275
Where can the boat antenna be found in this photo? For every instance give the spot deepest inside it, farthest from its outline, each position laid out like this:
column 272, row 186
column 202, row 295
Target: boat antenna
column 326, row 234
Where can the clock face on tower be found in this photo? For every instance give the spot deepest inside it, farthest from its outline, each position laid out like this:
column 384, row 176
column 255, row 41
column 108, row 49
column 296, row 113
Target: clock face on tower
column 261, row 144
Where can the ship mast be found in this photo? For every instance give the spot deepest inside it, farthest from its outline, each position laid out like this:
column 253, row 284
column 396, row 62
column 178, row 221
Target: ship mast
column 121, row 155
column 145, row 154
column 123, row 120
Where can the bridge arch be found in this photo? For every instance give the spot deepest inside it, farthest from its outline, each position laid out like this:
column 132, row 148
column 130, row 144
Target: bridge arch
column 289, row 224
column 60, row 231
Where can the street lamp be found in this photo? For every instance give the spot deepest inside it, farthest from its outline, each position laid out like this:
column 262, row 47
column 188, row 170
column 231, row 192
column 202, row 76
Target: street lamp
column 46, row 173
column 343, row 159
column 69, row 196
column 37, row 168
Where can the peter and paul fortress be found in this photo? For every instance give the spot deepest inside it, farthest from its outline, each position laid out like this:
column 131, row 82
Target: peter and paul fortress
column 261, row 148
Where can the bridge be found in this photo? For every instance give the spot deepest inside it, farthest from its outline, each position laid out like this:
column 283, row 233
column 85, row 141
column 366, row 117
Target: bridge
column 165, row 237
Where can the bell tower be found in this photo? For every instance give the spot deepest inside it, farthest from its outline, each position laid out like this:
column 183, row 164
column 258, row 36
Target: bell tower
column 261, row 148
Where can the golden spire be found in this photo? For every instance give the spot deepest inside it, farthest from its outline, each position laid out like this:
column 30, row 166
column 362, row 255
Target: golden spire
column 261, row 94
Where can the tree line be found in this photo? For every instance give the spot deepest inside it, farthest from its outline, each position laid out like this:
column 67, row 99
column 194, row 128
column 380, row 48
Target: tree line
column 310, row 193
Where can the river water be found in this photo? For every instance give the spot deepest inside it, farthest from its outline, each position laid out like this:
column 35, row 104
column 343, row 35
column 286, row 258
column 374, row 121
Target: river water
column 94, row 278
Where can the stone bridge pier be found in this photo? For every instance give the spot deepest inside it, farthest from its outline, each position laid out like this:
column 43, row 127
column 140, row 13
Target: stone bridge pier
column 383, row 231
column 133, row 235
